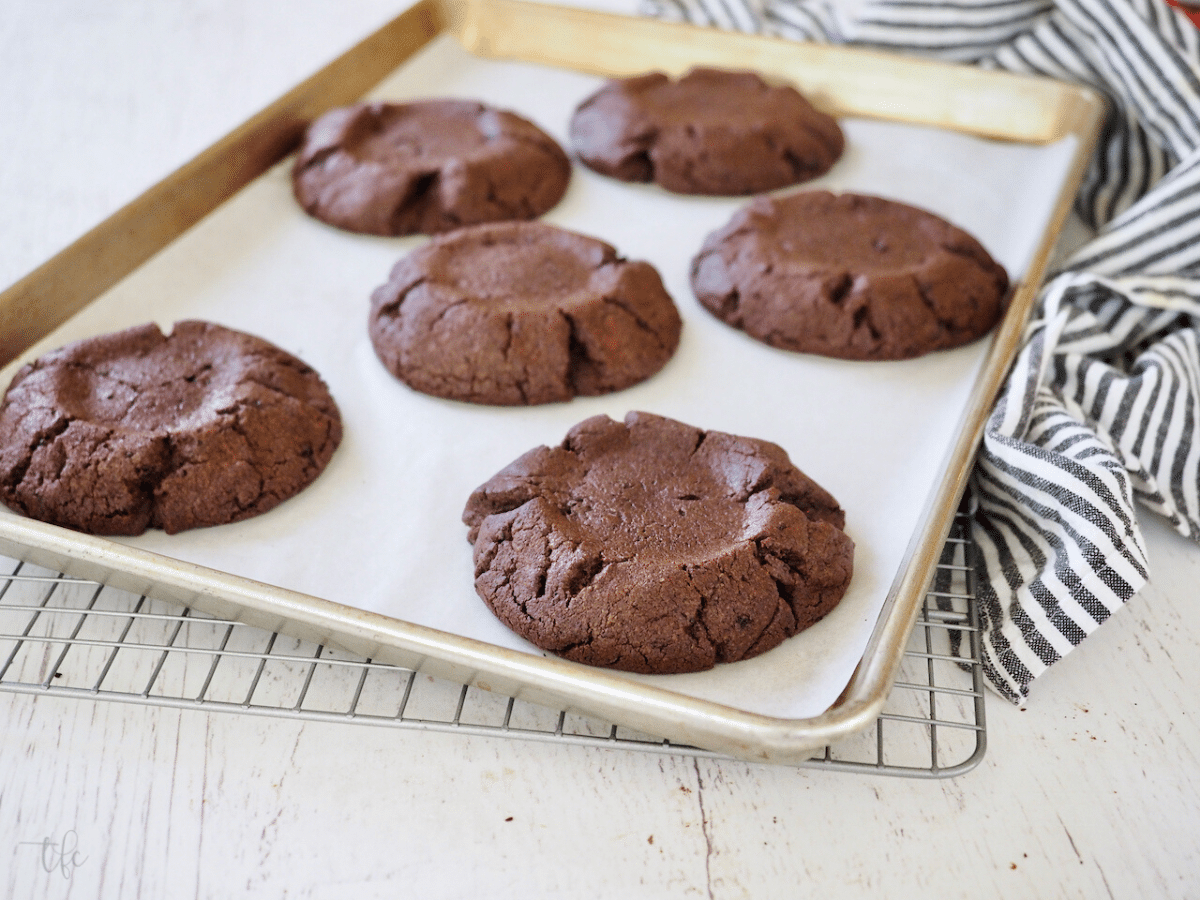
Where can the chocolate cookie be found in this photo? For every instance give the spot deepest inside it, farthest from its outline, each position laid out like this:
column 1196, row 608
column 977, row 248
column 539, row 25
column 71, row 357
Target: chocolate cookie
column 652, row 546
column 521, row 313
column 709, row 132
column 849, row 276
column 134, row 430
column 426, row 167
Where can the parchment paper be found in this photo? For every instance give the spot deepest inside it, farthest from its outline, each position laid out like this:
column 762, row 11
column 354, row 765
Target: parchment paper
column 381, row 529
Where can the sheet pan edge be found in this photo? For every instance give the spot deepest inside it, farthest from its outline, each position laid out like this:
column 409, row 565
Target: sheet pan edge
column 709, row 725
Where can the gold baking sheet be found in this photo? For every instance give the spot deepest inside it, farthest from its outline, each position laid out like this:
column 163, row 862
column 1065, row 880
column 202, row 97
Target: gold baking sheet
column 233, row 265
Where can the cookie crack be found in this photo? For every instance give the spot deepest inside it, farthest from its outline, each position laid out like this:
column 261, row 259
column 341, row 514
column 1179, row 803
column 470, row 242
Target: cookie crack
column 254, row 462
column 419, row 195
column 840, row 289
column 763, row 558
column 579, row 359
column 636, row 160
column 771, row 563
column 641, row 323
column 725, row 306
column 784, row 603
column 203, row 370
column 579, row 568
column 765, row 480
column 517, row 377
column 445, row 310
column 861, row 318
column 567, row 650
column 588, row 574
column 697, row 626
column 42, row 438
column 149, row 482
column 802, row 169
column 928, row 302
column 393, row 307
column 522, row 389
column 509, row 322
column 729, row 307
column 275, row 392
column 317, row 159
column 136, row 387
column 504, row 207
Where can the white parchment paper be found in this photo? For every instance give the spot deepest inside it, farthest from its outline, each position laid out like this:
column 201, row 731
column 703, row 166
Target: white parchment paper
column 381, row 529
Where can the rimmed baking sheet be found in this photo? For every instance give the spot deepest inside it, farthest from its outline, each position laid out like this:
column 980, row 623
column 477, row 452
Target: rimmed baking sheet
column 379, row 539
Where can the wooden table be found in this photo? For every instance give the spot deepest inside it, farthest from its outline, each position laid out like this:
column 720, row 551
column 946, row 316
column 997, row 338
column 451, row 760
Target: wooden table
column 1091, row 790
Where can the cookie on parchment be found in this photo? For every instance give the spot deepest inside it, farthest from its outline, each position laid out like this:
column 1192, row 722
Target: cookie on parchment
column 522, row 313
column 134, row 430
column 426, row 167
column 712, row 131
column 652, row 546
column 849, row 276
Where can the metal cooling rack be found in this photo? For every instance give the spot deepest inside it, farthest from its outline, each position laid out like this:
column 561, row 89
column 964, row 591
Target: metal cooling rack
column 72, row 638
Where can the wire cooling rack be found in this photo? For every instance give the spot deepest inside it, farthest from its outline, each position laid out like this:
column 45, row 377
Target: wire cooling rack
column 72, row 638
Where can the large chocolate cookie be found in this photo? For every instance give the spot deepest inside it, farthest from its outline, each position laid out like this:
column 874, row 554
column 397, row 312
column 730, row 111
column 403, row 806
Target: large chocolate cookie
column 517, row 313
column 652, row 546
column 426, row 167
column 131, row 430
column 709, row 132
column 849, row 276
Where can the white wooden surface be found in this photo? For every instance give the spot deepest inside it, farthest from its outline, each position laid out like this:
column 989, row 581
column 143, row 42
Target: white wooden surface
column 1092, row 790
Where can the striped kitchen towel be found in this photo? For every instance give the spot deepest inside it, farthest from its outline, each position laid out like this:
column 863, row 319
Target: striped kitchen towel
column 1101, row 408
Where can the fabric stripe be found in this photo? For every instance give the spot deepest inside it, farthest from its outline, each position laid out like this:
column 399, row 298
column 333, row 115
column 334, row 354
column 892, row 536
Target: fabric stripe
column 1149, row 68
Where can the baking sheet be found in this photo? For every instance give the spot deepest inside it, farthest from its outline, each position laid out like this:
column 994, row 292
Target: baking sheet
column 380, row 530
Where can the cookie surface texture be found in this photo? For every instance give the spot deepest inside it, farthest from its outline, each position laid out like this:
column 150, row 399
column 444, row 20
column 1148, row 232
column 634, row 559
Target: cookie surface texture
column 652, row 546
column 134, row 430
column 521, row 313
column 849, row 276
column 711, row 131
column 426, row 167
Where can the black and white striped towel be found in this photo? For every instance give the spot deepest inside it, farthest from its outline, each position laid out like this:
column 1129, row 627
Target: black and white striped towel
column 1102, row 406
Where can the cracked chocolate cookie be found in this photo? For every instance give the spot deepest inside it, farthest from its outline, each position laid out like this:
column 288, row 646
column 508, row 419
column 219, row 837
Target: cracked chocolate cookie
column 652, row 546
column 134, row 430
column 711, row 132
column 849, row 276
column 426, row 167
column 521, row 313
